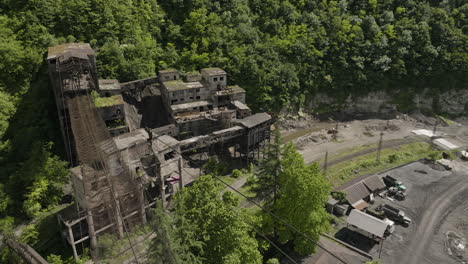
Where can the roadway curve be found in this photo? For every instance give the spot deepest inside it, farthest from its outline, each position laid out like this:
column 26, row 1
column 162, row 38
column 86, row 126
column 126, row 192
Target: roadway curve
column 432, row 215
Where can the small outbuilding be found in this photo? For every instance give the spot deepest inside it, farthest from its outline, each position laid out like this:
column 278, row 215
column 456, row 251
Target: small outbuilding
column 372, row 225
column 357, row 195
column 374, row 184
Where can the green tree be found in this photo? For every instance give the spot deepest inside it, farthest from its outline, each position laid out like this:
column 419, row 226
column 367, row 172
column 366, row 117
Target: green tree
column 303, row 192
column 227, row 238
column 269, row 169
column 174, row 242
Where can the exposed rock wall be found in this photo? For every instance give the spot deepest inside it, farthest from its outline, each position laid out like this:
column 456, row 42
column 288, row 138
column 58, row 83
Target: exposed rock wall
column 451, row 101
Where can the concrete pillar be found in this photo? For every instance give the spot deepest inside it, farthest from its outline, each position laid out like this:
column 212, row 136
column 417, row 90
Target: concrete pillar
column 92, row 232
column 72, row 241
column 142, row 203
column 119, row 218
column 181, row 179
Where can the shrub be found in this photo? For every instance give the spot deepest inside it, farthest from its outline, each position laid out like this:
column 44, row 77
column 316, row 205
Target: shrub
column 236, row 173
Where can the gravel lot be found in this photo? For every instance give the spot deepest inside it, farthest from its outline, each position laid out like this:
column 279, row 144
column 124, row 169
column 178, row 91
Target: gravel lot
column 436, row 202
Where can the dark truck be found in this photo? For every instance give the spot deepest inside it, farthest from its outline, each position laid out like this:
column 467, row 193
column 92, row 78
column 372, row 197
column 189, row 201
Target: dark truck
column 392, row 182
column 396, row 215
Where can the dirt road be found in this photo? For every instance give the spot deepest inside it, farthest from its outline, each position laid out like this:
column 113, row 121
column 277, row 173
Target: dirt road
column 431, row 217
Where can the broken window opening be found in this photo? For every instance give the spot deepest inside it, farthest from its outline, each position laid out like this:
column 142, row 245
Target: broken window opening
column 169, row 155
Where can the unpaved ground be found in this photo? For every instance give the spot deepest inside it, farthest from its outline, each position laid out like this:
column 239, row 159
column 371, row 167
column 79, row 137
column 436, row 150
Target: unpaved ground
column 313, row 140
column 434, row 202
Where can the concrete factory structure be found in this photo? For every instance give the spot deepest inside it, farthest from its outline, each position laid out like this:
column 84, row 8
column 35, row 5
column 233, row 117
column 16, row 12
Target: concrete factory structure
column 126, row 141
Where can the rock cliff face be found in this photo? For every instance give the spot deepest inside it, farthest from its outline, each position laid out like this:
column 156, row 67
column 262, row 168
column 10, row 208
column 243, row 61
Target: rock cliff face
column 451, row 101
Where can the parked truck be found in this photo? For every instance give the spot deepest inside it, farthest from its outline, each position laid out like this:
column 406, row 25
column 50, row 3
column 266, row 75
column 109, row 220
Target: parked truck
column 396, row 215
column 399, row 195
column 392, row 182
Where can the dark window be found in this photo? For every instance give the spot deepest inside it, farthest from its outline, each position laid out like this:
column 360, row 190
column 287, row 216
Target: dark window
column 182, row 99
column 197, row 90
column 169, row 155
column 94, row 186
column 175, row 77
column 221, row 78
column 167, row 77
column 215, row 79
column 174, row 101
column 53, row 61
column 194, row 108
column 191, row 98
column 198, row 97
column 107, row 94
column 210, row 107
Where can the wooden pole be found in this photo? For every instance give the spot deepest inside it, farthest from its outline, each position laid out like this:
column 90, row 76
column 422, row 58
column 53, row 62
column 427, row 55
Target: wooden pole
column 325, row 165
column 434, row 133
column 379, row 148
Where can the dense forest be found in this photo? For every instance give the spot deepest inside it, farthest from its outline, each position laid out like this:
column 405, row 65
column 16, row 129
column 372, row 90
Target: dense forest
column 281, row 51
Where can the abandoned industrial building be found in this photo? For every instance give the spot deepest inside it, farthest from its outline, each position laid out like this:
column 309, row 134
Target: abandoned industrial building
column 127, row 142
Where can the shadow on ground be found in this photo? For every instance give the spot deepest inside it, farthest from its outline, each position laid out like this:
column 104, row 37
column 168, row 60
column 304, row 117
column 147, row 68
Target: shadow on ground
column 356, row 239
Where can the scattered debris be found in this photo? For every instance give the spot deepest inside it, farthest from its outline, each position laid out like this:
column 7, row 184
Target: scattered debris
column 455, row 245
column 420, row 171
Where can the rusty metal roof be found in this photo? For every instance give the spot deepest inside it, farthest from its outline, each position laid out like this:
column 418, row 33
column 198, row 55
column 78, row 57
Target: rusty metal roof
column 254, row 120
column 374, row 183
column 356, row 192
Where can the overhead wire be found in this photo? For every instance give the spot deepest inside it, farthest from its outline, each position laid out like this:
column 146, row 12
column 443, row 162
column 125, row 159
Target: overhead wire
column 253, row 202
column 268, row 211
column 265, row 237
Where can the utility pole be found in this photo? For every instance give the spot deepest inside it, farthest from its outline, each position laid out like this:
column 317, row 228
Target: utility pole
column 335, row 132
column 434, row 133
column 325, row 165
column 379, row 148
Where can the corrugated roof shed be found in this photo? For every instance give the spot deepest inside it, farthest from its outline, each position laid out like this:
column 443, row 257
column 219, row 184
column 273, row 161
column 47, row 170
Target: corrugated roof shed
column 356, row 192
column 254, row 120
column 367, row 223
column 374, row 183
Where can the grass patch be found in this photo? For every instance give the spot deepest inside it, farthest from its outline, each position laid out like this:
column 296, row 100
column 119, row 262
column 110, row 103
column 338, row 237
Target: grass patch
column 228, row 179
column 347, row 152
column 105, row 101
column 446, row 120
column 389, row 158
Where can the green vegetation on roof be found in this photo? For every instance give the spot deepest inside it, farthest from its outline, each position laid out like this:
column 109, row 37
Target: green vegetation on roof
column 106, row 101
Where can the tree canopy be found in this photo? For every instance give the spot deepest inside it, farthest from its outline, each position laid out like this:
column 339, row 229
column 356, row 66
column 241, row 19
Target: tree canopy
column 283, row 52
column 226, row 237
